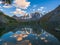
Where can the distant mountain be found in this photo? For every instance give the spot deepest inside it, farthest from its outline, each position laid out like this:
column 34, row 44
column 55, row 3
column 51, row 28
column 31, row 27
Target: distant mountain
column 35, row 15
column 51, row 22
column 6, row 23
column 11, row 23
column 32, row 17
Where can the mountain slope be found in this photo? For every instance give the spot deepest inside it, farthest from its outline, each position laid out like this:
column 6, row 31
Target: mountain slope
column 6, row 23
column 51, row 22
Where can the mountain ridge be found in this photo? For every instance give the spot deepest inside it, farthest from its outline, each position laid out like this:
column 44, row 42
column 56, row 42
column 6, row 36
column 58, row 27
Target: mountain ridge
column 51, row 22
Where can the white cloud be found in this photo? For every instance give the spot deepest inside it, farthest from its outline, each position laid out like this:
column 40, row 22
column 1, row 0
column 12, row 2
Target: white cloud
column 23, row 4
column 33, row 9
column 19, row 12
column 41, row 8
column 1, row 2
column 44, row 11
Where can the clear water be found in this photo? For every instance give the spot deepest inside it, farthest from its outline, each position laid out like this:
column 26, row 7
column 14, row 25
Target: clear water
column 43, row 38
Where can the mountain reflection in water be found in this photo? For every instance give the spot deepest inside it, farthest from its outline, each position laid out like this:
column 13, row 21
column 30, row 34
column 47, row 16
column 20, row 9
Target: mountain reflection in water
column 34, row 39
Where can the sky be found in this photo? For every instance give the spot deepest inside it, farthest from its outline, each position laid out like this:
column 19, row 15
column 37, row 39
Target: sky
column 22, row 7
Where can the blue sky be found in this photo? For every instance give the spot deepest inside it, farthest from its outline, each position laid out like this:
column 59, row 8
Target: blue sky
column 31, row 5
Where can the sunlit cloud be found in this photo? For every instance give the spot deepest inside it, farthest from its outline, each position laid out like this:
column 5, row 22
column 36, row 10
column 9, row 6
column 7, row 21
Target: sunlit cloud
column 19, row 12
column 23, row 4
